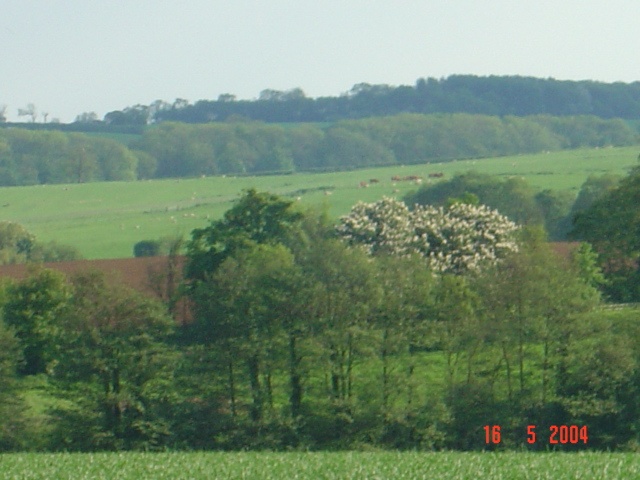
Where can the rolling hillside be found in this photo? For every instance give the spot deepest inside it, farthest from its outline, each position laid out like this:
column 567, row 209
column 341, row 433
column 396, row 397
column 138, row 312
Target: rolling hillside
column 104, row 220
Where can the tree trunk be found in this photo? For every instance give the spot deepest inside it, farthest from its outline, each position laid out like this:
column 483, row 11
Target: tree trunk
column 295, row 398
column 232, row 390
column 505, row 355
column 385, row 375
column 349, row 366
column 256, row 389
column 545, row 370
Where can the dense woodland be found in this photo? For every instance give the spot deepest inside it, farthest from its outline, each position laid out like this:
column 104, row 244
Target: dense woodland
column 406, row 325
column 432, row 121
column 494, row 95
column 31, row 157
column 309, row 335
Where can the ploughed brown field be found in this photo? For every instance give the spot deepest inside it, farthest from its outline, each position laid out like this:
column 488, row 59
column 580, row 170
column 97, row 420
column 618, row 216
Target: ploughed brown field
column 147, row 275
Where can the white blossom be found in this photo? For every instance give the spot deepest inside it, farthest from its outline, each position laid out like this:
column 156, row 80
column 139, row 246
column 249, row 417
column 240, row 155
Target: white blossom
column 457, row 239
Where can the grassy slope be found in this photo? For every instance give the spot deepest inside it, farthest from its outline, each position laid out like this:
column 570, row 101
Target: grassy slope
column 104, row 220
column 322, row 465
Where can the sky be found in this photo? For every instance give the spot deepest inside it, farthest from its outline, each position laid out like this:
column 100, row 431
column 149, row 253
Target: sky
column 67, row 57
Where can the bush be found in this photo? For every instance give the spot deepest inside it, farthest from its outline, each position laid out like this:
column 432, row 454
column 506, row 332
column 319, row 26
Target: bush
column 146, row 248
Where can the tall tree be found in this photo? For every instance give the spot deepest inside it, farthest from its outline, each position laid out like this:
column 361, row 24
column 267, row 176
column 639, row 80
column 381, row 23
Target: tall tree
column 12, row 428
column 256, row 218
column 345, row 296
column 33, row 309
column 534, row 298
column 115, row 367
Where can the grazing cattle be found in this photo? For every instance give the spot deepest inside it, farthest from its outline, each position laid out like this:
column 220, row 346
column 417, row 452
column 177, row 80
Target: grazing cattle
column 436, row 175
column 374, row 180
column 410, row 178
column 396, row 178
column 363, row 184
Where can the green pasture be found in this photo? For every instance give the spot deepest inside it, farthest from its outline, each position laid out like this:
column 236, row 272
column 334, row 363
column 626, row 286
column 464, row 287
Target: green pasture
column 320, row 465
column 105, row 220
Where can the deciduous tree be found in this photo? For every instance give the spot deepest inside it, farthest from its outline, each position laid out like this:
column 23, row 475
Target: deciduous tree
column 116, row 367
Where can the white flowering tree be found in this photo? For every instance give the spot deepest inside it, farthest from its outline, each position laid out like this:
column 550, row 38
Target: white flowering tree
column 380, row 227
column 455, row 239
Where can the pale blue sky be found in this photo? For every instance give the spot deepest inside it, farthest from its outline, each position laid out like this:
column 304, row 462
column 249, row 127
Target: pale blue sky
column 71, row 56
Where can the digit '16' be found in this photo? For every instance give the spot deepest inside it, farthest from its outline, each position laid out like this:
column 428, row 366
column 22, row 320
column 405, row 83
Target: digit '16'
column 492, row 434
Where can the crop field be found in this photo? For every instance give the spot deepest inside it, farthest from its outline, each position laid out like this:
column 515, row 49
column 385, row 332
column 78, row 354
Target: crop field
column 343, row 465
column 105, row 220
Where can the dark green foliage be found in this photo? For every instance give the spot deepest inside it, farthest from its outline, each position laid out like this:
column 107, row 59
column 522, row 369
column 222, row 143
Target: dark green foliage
column 29, row 157
column 555, row 207
column 493, row 95
column 611, row 224
column 599, row 378
column 299, row 341
column 257, row 218
column 115, row 366
column 512, row 197
column 146, row 248
column 594, row 188
column 12, row 421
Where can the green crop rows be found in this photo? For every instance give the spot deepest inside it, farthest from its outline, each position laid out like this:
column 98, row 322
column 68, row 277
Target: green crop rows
column 344, row 465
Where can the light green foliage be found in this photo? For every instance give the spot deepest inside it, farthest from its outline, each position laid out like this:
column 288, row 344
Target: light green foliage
column 33, row 307
column 40, row 157
column 104, row 220
column 586, row 263
column 17, row 245
column 211, row 149
column 322, row 465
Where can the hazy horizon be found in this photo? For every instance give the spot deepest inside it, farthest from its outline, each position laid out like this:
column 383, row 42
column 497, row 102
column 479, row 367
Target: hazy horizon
column 70, row 56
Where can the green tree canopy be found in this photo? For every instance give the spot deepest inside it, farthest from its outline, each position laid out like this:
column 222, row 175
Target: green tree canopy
column 612, row 225
column 33, row 308
column 114, row 364
column 11, row 406
column 257, row 218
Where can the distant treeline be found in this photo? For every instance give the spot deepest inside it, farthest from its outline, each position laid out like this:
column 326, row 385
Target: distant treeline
column 182, row 150
column 494, row 95
column 237, row 148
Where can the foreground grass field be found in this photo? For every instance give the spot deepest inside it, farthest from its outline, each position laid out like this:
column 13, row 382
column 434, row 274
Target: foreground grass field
column 104, row 220
column 343, row 465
